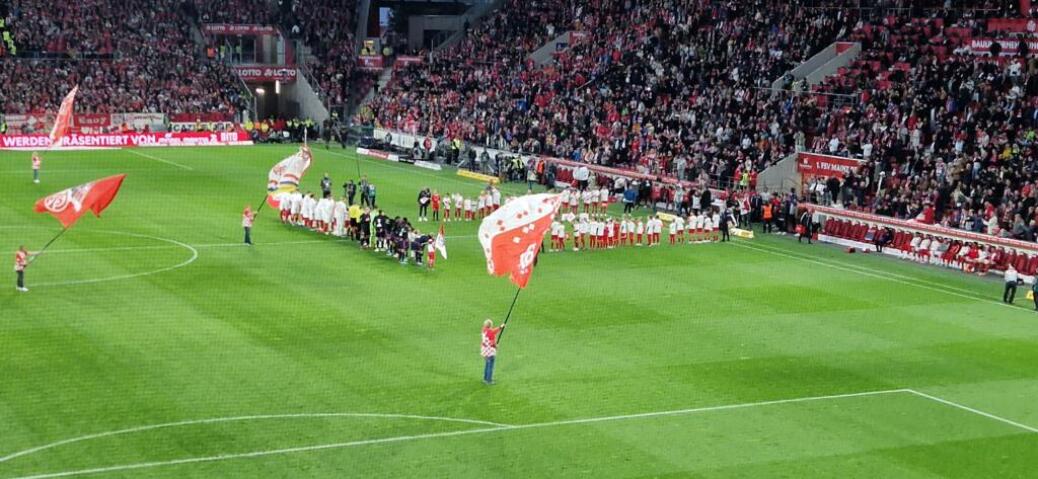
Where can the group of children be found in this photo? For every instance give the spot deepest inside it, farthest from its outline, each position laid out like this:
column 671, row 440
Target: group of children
column 589, row 231
column 456, row 206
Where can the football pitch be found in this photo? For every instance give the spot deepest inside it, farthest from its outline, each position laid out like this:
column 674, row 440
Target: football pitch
column 154, row 345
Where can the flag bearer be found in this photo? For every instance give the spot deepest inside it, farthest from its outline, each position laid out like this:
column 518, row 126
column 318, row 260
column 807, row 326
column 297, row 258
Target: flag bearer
column 247, row 218
column 488, row 349
column 21, row 261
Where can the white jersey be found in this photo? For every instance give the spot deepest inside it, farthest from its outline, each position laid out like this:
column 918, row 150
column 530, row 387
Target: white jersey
column 624, row 227
column 603, row 195
column 925, row 244
column 639, row 227
column 446, row 201
column 610, row 227
column 690, row 225
column 583, row 227
column 569, row 217
column 297, row 202
column 495, row 197
column 555, row 228
column 630, row 226
column 655, row 226
column 679, row 224
column 482, row 201
column 458, row 199
column 469, row 206
column 589, row 197
column 673, row 227
column 574, row 198
column 915, row 242
column 599, row 228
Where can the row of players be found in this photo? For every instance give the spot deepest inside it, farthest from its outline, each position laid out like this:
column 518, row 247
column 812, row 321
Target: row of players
column 370, row 228
column 594, row 201
column 586, row 232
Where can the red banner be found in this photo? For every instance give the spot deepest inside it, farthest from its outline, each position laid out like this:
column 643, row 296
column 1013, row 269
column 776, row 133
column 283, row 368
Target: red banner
column 256, row 73
column 369, row 62
column 1010, row 47
column 92, row 121
column 825, row 165
column 406, row 60
column 1013, row 25
column 235, row 29
column 127, row 140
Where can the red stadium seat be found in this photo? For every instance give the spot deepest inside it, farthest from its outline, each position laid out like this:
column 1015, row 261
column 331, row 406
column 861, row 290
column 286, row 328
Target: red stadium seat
column 1021, row 262
column 1032, row 266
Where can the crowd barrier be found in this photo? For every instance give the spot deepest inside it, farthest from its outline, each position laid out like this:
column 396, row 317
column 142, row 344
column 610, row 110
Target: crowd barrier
column 859, row 230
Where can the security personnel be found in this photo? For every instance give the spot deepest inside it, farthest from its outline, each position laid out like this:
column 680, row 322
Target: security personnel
column 1011, row 277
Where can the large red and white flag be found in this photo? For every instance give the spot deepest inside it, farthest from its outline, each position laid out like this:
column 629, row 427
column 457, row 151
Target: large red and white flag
column 511, row 236
column 68, row 205
column 285, row 176
column 64, row 119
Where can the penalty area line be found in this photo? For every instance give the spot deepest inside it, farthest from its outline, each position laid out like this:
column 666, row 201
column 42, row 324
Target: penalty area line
column 482, row 430
column 974, row 411
column 160, row 160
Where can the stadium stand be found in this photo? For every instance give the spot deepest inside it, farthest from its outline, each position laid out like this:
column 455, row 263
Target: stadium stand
column 947, row 135
column 131, row 55
column 642, row 94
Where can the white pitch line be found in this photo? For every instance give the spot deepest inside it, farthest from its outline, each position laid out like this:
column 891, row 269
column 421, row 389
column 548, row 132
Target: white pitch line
column 194, row 256
column 974, row 411
column 213, row 245
column 874, row 274
column 195, row 422
column 871, row 270
column 161, row 160
column 394, row 439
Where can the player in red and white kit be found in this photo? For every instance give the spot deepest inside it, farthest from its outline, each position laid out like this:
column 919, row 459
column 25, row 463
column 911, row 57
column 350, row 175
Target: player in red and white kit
column 657, row 229
column 430, row 251
column 574, row 201
column 603, row 200
column 639, row 229
column 436, row 203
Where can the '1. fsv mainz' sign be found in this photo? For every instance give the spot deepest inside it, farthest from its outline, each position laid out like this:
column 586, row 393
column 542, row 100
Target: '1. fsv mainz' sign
column 825, row 165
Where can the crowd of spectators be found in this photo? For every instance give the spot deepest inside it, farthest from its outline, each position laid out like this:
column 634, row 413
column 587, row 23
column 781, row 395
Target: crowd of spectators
column 678, row 87
column 946, row 136
column 127, row 55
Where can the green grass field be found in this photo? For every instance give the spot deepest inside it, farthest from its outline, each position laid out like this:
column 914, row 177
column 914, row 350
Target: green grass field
column 153, row 345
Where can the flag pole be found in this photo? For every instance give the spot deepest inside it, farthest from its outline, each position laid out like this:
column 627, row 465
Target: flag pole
column 52, row 240
column 509, row 315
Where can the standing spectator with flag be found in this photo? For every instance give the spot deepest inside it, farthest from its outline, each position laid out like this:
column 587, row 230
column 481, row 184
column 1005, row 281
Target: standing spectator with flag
column 21, row 261
column 37, row 163
column 488, row 349
column 247, row 218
